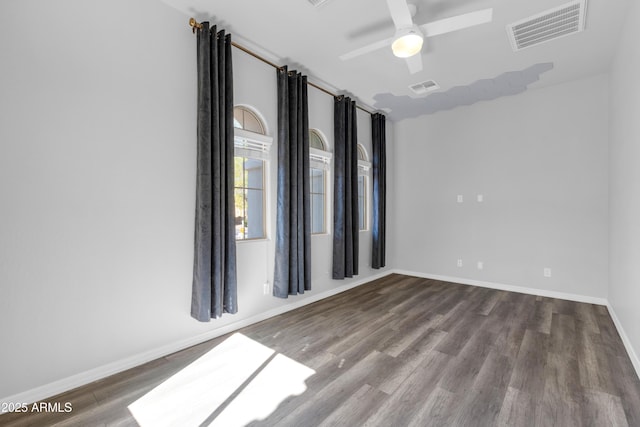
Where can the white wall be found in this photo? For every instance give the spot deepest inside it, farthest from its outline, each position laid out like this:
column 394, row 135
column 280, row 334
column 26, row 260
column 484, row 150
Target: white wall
column 624, row 188
column 97, row 181
column 540, row 161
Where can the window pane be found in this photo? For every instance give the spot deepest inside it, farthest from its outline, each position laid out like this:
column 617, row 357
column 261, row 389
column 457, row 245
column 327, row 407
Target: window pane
column 254, row 173
column 249, row 198
column 317, row 181
column 251, row 123
column 240, row 213
column 317, row 213
column 255, row 214
column 315, row 141
column 238, row 120
column 317, row 201
column 238, row 179
column 245, row 119
column 361, row 203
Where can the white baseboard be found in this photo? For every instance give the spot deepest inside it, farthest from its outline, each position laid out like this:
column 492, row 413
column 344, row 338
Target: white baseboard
column 83, row 378
column 510, row 288
column 625, row 340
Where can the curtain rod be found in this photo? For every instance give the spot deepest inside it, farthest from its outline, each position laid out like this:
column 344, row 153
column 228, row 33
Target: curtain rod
column 195, row 25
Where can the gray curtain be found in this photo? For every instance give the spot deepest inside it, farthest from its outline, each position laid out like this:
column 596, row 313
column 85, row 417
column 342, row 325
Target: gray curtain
column 379, row 201
column 214, row 266
column 345, row 189
column 292, row 273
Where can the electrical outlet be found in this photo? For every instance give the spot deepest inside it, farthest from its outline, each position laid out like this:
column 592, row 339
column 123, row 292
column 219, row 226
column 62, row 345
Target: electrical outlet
column 460, row 198
column 266, row 288
column 480, row 265
column 480, row 198
column 459, row 263
column 547, row 272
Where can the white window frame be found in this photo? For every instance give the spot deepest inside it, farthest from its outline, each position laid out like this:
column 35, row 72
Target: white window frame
column 325, row 216
column 251, row 144
column 321, row 160
column 256, row 146
column 364, row 167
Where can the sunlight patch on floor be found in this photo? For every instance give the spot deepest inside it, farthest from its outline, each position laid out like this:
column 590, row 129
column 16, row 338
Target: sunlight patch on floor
column 281, row 378
column 238, row 381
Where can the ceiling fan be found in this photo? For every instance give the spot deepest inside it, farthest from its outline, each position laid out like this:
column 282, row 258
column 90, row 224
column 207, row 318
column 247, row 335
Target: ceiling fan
column 408, row 39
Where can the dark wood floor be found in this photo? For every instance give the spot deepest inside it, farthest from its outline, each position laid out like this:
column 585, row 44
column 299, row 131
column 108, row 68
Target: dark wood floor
column 408, row 351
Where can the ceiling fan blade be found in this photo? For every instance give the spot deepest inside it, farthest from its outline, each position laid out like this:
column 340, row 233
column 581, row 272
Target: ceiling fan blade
column 459, row 22
column 400, row 13
column 415, row 63
column 366, row 49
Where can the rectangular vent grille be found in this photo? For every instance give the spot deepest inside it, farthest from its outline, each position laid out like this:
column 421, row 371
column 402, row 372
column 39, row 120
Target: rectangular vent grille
column 424, row 87
column 318, row 3
column 549, row 25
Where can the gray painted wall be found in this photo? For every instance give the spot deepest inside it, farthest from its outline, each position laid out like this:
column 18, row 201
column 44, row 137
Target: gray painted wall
column 97, row 179
column 539, row 160
column 624, row 175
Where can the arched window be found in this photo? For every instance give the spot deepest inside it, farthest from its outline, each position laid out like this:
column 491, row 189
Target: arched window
column 247, row 120
column 363, row 171
column 319, row 165
column 251, row 151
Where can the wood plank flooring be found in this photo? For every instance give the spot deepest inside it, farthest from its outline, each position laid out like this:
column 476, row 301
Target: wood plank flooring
column 406, row 351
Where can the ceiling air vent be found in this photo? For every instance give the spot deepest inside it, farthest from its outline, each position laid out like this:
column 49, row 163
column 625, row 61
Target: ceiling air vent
column 318, row 3
column 424, row 87
column 549, row 25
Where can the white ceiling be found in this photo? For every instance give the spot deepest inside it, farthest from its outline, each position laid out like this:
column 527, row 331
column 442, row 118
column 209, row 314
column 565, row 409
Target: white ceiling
column 311, row 39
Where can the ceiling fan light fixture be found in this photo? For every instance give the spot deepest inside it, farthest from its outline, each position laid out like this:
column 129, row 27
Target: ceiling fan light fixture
column 407, row 43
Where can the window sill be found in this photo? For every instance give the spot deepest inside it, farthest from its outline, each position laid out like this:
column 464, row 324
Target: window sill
column 260, row 239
